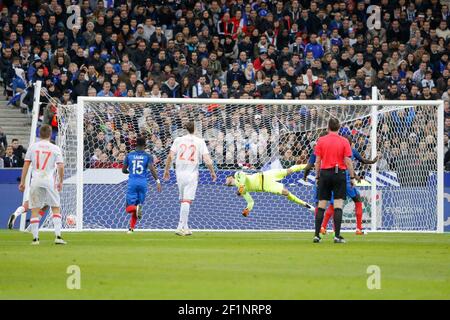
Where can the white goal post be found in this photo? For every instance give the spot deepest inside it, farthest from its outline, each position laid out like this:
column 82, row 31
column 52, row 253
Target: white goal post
column 404, row 192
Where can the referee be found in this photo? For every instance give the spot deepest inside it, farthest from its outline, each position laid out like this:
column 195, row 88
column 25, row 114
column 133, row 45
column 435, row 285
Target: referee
column 333, row 158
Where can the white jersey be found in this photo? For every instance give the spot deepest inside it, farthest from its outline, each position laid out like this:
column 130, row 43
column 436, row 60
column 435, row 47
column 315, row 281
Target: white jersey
column 44, row 157
column 189, row 150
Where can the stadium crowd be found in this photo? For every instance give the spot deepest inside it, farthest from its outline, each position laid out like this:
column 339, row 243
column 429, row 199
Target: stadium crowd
column 248, row 49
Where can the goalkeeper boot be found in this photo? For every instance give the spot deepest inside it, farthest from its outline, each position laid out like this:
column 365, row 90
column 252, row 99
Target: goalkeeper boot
column 179, row 232
column 310, row 207
column 339, row 239
column 317, row 239
column 323, row 230
column 35, row 242
column 11, row 220
column 139, row 211
column 60, row 240
column 360, row 232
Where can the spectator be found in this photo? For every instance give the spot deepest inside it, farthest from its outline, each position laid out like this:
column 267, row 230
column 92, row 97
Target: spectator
column 3, row 139
column 19, row 151
column 10, row 159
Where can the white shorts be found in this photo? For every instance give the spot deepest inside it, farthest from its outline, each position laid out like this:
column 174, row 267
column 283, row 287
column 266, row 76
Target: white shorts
column 187, row 186
column 41, row 197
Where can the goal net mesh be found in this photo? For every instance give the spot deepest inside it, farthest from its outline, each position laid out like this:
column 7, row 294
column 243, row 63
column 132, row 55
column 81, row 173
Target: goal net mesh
column 249, row 137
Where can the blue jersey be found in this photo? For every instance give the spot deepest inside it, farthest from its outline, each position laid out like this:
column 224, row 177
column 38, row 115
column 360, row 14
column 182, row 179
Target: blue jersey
column 312, row 158
column 138, row 163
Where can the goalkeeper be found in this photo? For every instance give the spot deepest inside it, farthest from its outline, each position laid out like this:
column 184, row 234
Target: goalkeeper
column 267, row 181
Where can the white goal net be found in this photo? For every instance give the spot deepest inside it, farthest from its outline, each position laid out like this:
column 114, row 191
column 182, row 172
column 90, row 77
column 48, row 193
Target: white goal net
column 400, row 193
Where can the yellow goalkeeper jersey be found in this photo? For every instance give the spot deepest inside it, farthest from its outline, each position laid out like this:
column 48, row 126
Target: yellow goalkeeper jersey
column 248, row 183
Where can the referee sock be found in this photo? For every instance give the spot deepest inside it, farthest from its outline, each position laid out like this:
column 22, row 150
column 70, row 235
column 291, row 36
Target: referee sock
column 337, row 221
column 318, row 220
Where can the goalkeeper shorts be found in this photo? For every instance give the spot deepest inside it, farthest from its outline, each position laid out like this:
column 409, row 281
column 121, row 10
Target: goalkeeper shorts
column 270, row 181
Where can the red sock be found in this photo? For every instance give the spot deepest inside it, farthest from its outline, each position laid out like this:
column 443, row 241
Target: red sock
column 131, row 209
column 358, row 212
column 41, row 213
column 133, row 220
column 328, row 214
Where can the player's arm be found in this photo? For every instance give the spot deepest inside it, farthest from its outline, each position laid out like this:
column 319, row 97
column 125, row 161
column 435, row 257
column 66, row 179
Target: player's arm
column 317, row 166
column 60, row 169
column 169, row 160
column 250, row 203
column 25, row 170
column 155, row 176
column 358, row 157
column 125, row 166
column 240, row 178
column 307, row 170
column 209, row 164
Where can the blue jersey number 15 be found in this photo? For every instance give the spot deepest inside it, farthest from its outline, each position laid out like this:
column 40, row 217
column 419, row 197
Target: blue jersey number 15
column 138, row 168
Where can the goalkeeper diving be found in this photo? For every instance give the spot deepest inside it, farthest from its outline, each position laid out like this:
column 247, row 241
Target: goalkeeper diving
column 266, row 181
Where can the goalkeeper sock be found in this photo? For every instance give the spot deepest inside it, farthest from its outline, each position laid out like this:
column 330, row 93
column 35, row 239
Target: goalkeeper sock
column 20, row 210
column 318, row 221
column 34, row 225
column 293, row 198
column 57, row 224
column 41, row 213
column 184, row 215
column 328, row 214
column 358, row 212
column 133, row 220
column 337, row 221
column 297, row 167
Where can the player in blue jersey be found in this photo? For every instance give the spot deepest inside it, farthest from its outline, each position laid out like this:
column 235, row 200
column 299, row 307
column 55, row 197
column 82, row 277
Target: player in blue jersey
column 352, row 191
column 137, row 164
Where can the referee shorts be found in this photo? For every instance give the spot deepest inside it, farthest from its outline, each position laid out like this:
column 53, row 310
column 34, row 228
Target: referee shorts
column 332, row 184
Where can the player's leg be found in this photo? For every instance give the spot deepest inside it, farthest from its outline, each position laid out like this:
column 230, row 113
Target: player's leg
column 188, row 197
column 142, row 193
column 340, row 194
column 131, row 202
column 41, row 214
column 36, row 202
column 280, row 174
column 353, row 193
column 57, row 224
column 34, row 225
column 53, row 200
column 328, row 214
column 324, row 195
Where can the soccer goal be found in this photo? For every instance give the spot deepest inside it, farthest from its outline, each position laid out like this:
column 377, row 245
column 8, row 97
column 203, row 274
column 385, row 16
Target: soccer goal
column 402, row 192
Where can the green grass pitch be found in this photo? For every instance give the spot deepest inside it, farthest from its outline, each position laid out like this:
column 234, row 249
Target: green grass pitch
column 160, row 265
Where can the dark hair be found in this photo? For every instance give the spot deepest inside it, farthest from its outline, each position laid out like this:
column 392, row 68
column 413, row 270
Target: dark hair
column 333, row 124
column 45, row 132
column 140, row 141
column 190, row 127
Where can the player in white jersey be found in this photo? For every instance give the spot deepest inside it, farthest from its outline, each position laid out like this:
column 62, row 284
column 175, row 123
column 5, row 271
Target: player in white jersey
column 46, row 160
column 188, row 151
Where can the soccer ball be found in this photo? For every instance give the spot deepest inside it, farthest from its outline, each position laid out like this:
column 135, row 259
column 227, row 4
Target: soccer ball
column 71, row 221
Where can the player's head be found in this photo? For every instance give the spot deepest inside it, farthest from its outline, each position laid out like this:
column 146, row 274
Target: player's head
column 140, row 143
column 333, row 125
column 229, row 181
column 45, row 132
column 190, row 127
